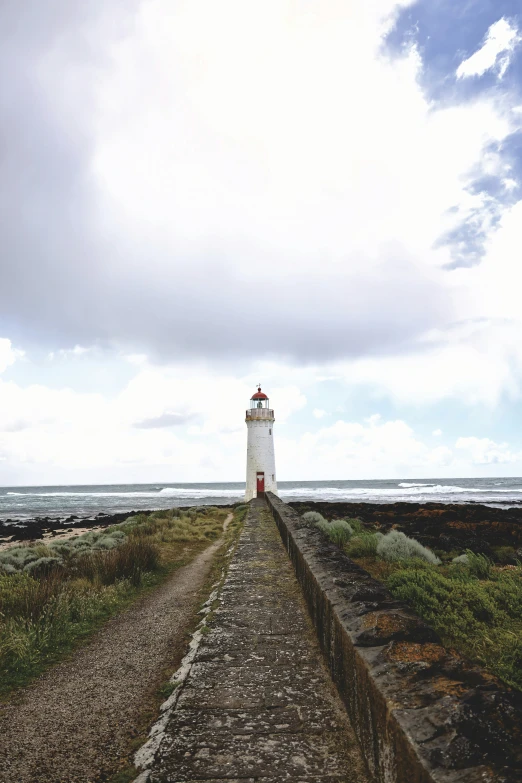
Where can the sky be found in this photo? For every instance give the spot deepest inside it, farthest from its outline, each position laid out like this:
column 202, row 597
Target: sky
column 323, row 196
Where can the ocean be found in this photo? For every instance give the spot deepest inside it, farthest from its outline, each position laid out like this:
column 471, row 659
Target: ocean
column 88, row 500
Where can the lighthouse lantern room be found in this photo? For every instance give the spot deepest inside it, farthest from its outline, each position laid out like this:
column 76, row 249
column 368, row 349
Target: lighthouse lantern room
column 261, row 475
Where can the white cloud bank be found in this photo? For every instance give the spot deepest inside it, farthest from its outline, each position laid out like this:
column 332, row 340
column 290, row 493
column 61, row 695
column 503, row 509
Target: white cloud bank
column 8, row 354
column 166, row 424
column 483, row 451
column 181, row 423
column 496, row 53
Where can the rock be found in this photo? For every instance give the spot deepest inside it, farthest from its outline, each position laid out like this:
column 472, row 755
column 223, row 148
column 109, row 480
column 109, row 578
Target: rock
column 437, row 525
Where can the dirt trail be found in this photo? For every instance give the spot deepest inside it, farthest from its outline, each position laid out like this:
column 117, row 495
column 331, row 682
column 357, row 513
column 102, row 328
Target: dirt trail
column 75, row 721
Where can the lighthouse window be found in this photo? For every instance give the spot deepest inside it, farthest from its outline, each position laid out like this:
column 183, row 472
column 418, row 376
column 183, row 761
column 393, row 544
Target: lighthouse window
column 269, row 432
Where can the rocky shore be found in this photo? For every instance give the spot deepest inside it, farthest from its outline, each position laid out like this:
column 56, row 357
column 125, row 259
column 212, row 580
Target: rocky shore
column 442, row 526
column 36, row 528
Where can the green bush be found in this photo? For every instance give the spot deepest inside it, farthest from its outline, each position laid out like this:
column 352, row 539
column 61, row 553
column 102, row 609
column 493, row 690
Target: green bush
column 396, row 546
column 363, row 544
column 312, row 519
column 42, row 566
column 506, row 554
column 474, row 606
column 481, row 618
column 339, row 532
column 479, row 565
column 19, row 556
column 356, row 525
column 461, row 560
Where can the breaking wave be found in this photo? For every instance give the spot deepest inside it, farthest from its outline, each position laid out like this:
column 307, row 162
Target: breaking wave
column 62, row 501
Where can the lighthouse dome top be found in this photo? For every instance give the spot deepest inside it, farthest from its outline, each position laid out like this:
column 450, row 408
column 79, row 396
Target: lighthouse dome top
column 259, row 395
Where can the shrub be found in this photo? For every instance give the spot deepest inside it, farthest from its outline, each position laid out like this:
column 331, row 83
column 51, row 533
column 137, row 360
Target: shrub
column 479, row 565
column 461, row 560
column 61, row 547
column 42, row 566
column 339, row 532
column 128, row 561
column 21, row 595
column 506, row 554
column 356, row 525
column 19, row 556
column 364, row 544
column 322, row 525
column 398, row 546
column 313, row 519
column 106, row 542
column 425, row 591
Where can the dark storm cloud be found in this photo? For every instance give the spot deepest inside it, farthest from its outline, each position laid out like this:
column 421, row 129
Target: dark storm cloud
column 62, row 280
column 50, row 254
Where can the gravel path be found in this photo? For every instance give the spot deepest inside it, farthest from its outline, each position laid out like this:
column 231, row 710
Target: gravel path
column 74, row 722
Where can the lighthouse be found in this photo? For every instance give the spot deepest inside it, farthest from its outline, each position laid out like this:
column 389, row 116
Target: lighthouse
column 261, row 475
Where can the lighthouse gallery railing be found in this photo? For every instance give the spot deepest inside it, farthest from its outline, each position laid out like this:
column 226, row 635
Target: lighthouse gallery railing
column 260, row 413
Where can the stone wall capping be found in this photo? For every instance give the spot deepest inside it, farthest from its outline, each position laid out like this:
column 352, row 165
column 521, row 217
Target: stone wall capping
column 421, row 712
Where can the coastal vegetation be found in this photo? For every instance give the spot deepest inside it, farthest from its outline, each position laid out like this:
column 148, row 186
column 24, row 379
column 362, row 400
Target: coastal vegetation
column 473, row 603
column 54, row 594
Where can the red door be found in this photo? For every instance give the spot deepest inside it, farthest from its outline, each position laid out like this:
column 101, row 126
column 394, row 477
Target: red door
column 260, row 483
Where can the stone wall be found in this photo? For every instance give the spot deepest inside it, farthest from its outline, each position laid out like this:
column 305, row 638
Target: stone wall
column 422, row 714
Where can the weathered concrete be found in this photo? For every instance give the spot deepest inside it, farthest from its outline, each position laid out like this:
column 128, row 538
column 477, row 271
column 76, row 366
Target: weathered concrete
column 258, row 703
column 421, row 713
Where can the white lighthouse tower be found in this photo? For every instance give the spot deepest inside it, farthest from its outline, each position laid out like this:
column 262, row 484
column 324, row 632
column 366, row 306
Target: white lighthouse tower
column 261, row 475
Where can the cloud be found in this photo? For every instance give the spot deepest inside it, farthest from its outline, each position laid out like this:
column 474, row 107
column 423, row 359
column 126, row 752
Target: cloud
column 483, row 451
column 477, row 361
column 437, row 433
column 313, row 216
column 8, row 354
column 164, row 420
column 67, row 353
column 496, row 52
column 59, row 435
column 353, row 450
column 150, row 208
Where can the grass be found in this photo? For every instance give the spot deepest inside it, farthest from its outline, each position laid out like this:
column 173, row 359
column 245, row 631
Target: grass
column 474, row 605
column 53, row 596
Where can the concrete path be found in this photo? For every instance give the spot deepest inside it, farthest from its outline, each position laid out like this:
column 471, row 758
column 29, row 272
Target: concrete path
column 258, row 704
